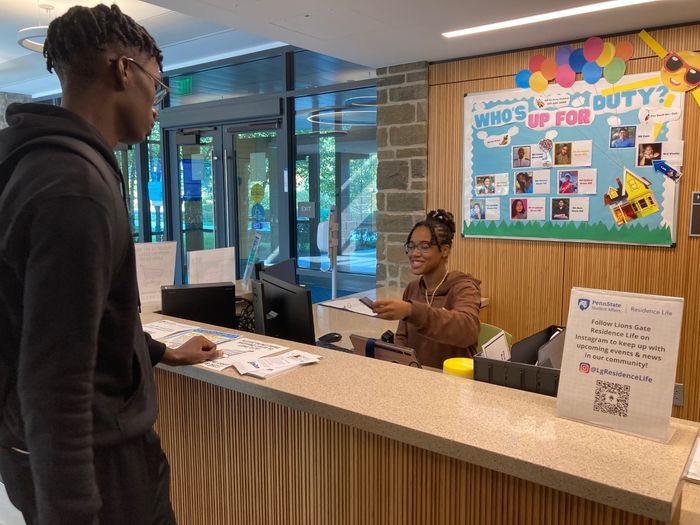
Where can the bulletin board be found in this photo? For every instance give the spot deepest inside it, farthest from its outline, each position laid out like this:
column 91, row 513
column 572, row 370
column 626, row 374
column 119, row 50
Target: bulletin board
column 588, row 163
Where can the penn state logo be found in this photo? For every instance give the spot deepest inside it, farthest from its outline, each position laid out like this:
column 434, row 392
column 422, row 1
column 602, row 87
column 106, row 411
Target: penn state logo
column 583, row 304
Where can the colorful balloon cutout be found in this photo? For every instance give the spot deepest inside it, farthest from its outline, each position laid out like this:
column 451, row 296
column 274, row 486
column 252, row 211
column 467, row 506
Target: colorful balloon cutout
column 565, row 76
column 591, row 72
column 577, row 60
column 592, row 48
column 615, row 70
column 606, row 55
column 562, row 54
column 624, row 50
column 522, row 78
column 549, row 68
column 537, row 82
column 536, row 62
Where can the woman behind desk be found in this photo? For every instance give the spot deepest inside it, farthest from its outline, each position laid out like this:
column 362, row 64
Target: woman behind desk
column 439, row 314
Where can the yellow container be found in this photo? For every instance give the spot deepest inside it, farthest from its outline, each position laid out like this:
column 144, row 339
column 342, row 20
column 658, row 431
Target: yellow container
column 459, row 366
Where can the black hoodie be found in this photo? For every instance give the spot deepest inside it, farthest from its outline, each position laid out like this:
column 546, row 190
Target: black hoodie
column 75, row 367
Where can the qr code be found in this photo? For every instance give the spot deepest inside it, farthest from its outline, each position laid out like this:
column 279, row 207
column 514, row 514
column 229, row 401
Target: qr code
column 611, row 398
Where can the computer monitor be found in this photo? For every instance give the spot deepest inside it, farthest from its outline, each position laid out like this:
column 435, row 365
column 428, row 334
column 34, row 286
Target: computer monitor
column 283, row 310
column 213, row 303
column 386, row 351
column 285, row 271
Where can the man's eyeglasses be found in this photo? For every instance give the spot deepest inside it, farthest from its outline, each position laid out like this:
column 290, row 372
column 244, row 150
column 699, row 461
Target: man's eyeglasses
column 422, row 247
column 673, row 63
column 161, row 89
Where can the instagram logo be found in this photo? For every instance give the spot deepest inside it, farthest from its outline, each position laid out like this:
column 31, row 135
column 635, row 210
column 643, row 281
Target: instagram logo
column 584, row 368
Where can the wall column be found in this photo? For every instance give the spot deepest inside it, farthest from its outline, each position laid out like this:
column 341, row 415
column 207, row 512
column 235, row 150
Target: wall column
column 402, row 151
column 8, row 98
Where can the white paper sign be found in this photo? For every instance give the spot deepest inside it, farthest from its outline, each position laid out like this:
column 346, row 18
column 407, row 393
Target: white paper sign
column 211, row 266
column 619, row 362
column 155, row 267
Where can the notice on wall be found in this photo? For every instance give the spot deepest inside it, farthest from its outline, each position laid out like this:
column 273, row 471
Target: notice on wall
column 619, row 364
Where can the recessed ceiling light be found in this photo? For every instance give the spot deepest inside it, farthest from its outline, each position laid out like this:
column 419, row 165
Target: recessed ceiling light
column 553, row 15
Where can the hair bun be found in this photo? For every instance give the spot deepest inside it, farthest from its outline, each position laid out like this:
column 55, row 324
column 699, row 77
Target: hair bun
column 444, row 217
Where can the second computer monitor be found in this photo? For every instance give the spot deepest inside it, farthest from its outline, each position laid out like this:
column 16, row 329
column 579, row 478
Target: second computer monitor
column 285, row 271
column 283, row 310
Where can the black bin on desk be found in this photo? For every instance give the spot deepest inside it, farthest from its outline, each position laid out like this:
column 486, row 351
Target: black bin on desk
column 521, row 372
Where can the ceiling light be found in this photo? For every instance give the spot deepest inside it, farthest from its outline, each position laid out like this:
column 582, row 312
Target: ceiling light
column 553, row 15
column 32, row 38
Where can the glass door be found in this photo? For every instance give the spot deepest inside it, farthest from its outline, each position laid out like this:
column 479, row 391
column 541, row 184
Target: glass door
column 260, row 192
column 197, row 155
column 230, row 187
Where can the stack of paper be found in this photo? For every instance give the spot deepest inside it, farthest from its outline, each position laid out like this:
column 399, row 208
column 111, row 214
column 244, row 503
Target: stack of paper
column 693, row 468
column 265, row 367
column 497, row 347
column 247, row 349
column 179, row 338
column 160, row 329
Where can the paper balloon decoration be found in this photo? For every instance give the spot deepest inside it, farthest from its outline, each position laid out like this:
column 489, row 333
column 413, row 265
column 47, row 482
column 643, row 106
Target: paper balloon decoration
column 606, row 55
column 522, row 78
column 537, row 82
column 592, row 48
column 565, row 76
column 591, row 72
column 615, row 70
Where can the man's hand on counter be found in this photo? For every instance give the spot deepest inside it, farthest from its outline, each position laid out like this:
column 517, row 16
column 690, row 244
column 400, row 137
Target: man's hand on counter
column 195, row 350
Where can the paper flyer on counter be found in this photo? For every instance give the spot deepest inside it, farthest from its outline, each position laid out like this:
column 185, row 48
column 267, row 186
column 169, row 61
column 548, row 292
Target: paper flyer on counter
column 619, row 364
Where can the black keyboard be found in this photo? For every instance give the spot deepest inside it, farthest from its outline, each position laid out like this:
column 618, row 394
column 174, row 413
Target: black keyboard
column 331, row 346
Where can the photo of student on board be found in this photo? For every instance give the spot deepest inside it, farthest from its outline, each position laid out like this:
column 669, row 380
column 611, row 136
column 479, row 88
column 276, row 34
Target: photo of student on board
column 439, row 313
column 518, row 209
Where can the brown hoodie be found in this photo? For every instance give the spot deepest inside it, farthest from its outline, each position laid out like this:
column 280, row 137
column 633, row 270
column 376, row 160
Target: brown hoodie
column 449, row 327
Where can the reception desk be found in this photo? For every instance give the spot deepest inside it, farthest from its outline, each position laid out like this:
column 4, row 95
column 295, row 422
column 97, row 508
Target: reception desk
column 353, row 440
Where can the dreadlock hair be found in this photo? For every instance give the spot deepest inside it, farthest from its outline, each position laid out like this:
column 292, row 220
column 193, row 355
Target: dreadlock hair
column 442, row 228
column 76, row 39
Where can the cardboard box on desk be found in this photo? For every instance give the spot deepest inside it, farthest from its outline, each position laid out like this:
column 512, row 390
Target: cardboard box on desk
column 520, row 371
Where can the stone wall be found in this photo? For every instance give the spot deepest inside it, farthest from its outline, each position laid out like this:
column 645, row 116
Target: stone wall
column 5, row 100
column 402, row 150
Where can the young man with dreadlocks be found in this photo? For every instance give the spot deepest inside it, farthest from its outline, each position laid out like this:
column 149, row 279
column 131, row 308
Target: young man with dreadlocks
column 77, row 397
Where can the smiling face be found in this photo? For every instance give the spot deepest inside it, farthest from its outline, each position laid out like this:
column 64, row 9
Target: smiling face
column 681, row 71
column 521, row 153
column 623, row 134
column 519, row 207
column 564, row 150
column 425, row 262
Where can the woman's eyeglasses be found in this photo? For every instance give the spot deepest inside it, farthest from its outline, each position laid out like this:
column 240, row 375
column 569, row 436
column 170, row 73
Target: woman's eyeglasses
column 422, row 247
column 673, row 63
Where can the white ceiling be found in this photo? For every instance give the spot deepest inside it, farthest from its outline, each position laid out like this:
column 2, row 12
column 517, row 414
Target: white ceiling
column 385, row 32
column 184, row 40
column 369, row 32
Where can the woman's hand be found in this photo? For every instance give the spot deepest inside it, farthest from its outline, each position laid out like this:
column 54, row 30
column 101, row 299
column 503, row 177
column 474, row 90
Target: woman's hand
column 393, row 310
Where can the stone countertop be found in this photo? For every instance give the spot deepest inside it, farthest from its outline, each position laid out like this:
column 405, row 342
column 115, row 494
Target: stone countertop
column 507, row 430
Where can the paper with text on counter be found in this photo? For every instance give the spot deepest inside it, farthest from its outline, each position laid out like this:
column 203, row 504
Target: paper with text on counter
column 619, row 363
column 234, row 350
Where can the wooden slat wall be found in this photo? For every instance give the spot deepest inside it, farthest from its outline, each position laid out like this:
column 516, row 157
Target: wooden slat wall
column 236, row 459
column 529, row 282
